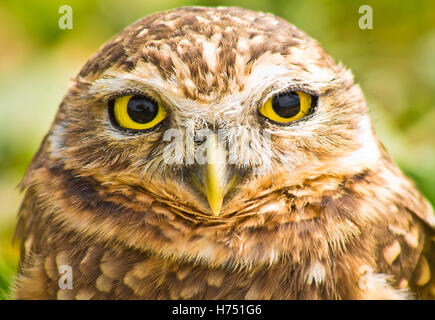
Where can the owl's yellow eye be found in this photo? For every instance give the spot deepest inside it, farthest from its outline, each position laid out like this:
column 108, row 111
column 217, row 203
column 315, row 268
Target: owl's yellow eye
column 287, row 107
column 137, row 112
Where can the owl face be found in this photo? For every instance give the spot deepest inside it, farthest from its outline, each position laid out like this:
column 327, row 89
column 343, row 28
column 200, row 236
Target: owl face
column 209, row 109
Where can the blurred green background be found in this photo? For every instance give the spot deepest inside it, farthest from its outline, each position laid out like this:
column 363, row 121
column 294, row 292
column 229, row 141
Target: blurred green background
column 394, row 63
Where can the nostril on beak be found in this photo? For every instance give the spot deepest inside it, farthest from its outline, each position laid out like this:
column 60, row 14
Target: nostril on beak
column 198, row 142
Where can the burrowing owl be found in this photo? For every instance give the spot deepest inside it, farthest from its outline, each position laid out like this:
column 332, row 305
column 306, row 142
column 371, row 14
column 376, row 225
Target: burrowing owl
column 219, row 153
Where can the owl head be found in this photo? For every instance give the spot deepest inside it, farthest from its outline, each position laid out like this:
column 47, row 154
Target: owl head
column 209, row 110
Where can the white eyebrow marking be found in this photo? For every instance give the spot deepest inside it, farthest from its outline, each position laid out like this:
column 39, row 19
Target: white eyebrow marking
column 269, row 71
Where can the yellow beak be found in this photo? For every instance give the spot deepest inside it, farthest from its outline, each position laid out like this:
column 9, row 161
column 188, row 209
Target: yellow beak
column 215, row 174
column 216, row 183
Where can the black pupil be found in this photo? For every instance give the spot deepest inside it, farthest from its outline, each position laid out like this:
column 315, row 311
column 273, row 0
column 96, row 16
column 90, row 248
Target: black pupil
column 142, row 109
column 286, row 105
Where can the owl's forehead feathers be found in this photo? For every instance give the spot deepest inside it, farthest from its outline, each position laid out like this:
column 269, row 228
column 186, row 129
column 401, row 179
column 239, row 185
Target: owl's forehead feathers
column 204, row 53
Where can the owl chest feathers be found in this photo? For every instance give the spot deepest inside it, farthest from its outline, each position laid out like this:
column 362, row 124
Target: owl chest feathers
column 295, row 245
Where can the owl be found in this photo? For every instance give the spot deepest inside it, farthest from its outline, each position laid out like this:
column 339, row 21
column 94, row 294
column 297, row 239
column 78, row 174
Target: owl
column 219, row 153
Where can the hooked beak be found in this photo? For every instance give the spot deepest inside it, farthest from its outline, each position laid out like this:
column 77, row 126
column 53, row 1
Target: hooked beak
column 214, row 181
